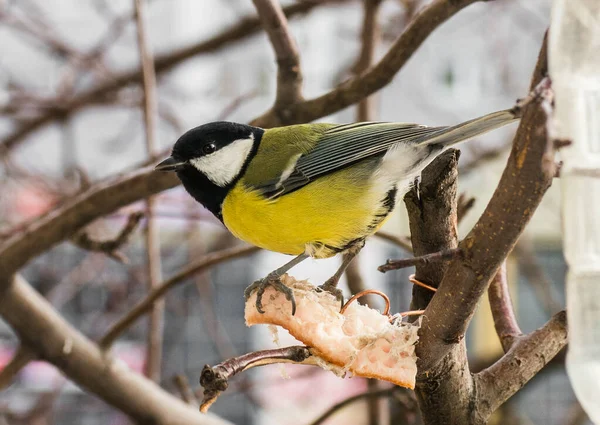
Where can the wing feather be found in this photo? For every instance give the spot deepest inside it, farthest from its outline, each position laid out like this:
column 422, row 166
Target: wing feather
column 342, row 146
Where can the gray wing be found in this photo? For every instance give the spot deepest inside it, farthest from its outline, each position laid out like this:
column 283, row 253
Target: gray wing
column 342, row 146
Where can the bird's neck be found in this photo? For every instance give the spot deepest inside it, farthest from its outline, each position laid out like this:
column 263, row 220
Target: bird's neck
column 209, row 194
column 203, row 190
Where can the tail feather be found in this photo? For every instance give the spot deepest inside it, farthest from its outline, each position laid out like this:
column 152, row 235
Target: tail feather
column 448, row 136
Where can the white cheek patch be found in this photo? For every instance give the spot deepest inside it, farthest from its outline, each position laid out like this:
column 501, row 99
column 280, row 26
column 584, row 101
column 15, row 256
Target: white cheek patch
column 224, row 165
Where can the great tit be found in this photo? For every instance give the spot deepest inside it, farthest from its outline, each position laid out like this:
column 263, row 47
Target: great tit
column 310, row 190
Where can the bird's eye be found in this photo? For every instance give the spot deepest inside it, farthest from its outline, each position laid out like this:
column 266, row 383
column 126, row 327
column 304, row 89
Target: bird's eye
column 208, row 148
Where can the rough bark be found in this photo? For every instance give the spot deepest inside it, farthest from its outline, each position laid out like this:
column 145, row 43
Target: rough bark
column 519, row 192
column 445, row 393
column 39, row 325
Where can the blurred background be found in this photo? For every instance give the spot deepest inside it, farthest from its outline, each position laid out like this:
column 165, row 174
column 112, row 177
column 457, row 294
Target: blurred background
column 58, row 132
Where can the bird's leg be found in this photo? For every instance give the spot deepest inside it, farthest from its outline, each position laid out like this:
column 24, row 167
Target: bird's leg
column 330, row 284
column 274, row 279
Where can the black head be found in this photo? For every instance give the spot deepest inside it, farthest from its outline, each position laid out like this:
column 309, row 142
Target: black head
column 209, row 159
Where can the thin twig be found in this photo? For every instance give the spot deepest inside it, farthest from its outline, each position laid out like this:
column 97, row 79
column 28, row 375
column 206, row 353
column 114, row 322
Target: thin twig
column 110, row 246
column 536, row 276
column 207, row 301
column 383, row 392
column 539, row 92
column 370, row 37
column 153, row 260
column 356, row 89
column 246, row 27
column 183, row 386
column 19, row 360
column 367, row 111
column 464, row 205
column 215, row 379
column 576, row 415
column 289, row 74
column 526, row 357
column 144, row 306
column 235, row 104
column 447, row 254
column 401, row 241
column 503, row 312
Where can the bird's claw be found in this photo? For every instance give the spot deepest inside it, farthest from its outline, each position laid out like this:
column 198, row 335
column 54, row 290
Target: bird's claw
column 331, row 286
column 262, row 284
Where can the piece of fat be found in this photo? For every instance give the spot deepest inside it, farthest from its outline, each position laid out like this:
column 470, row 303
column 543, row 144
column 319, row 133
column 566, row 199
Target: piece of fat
column 362, row 341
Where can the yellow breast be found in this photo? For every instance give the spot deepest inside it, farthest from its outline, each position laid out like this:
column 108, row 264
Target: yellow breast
column 328, row 212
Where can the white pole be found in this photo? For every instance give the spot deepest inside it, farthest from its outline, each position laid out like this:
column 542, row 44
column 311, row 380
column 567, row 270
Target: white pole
column 574, row 56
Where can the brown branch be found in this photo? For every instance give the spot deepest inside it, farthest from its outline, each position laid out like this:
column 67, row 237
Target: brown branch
column 377, row 77
column 444, row 392
column 536, row 276
column 479, row 157
column 444, row 255
column 370, row 39
column 145, row 305
column 153, row 261
column 110, row 246
column 401, row 241
column 183, row 386
column 65, row 107
column 377, row 409
column 521, row 188
column 527, row 356
column 465, row 204
column 289, row 74
column 215, row 379
column 503, row 313
column 576, row 415
column 383, row 392
column 19, row 360
column 432, row 213
column 77, row 357
column 62, row 222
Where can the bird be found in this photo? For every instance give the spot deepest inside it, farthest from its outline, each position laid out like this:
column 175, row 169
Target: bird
column 310, row 190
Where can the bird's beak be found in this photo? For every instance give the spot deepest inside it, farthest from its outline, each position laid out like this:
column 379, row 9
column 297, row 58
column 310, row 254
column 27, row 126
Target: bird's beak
column 169, row 164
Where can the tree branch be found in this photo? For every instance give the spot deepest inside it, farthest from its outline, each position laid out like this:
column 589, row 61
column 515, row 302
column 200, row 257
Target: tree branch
column 402, row 242
column 446, row 391
column 145, row 305
column 527, row 356
column 521, row 188
column 432, row 213
column 383, row 392
column 215, row 379
column 19, row 360
column 153, row 261
column 289, row 74
column 377, row 77
column 183, row 386
column 370, row 39
column 62, row 222
column 30, row 316
column 110, row 246
column 503, row 313
column 403, row 263
column 65, row 107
